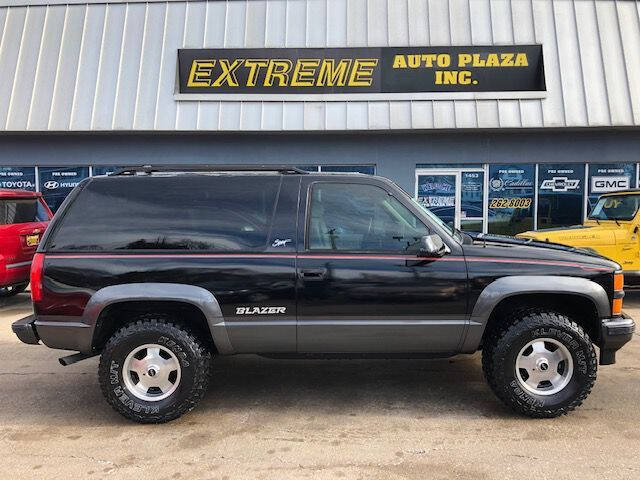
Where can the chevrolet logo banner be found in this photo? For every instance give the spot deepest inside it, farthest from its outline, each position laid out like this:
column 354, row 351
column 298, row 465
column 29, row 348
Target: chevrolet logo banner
column 387, row 70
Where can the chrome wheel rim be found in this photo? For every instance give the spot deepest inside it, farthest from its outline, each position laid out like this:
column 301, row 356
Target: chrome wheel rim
column 544, row 366
column 151, row 372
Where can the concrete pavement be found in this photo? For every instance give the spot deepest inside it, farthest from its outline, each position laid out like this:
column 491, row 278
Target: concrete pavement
column 276, row 419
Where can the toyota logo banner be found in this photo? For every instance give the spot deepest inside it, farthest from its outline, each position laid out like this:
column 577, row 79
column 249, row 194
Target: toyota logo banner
column 18, row 178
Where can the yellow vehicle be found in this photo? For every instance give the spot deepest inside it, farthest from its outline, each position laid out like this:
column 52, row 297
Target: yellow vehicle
column 611, row 230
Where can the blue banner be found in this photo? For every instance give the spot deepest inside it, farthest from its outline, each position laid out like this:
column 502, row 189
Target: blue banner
column 57, row 182
column 609, row 177
column 98, row 170
column 18, row 178
column 560, row 194
column 511, row 198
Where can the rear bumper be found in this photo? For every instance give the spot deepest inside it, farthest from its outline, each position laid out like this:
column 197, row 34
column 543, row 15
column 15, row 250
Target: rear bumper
column 56, row 332
column 25, row 330
column 15, row 275
column 614, row 334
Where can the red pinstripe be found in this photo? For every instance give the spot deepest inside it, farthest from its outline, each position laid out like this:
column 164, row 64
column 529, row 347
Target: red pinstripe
column 558, row 263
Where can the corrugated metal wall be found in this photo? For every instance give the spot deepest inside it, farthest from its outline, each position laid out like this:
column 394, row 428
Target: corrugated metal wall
column 113, row 66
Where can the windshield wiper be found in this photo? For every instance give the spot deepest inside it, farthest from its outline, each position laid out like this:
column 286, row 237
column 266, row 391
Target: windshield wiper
column 616, row 220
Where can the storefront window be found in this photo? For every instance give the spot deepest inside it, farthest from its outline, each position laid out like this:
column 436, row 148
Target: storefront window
column 57, row 182
column 437, row 192
column 610, row 177
column 368, row 169
column 471, row 195
column 97, row 170
column 511, row 198
column 18, row 178
column 560, row 194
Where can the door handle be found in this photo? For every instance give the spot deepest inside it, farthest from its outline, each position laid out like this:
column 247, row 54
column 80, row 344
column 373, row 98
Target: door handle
column 313, row 273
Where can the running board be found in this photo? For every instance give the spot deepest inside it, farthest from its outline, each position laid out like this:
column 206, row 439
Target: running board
column 76, row 357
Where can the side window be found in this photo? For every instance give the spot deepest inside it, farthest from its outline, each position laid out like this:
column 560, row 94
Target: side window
column 216, row 213
column 357, row 217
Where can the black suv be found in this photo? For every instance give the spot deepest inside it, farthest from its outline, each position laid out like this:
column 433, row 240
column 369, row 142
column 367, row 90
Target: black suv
column 158, row 270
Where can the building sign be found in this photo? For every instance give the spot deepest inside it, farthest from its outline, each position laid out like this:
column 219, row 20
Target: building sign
column 511, row 194
column 611, row 177
column 57, row 182
column 387, row 70
column 560, row 194
column 18, row 178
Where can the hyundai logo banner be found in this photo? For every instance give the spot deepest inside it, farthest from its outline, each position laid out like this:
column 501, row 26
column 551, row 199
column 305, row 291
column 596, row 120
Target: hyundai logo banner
column 380, row 70
column 18, row 178
column 57, row 182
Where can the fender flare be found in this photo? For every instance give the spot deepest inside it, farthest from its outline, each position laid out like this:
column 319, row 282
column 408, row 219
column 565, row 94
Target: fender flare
column 202, row 299
column 505, row 287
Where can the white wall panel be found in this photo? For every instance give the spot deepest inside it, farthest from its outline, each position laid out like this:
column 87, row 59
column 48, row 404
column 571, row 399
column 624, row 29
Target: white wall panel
column 113, row 67
column 595, row 88
column 62, row 99
column 615, row 71
column 28, row 57
column 129, row 69
column 150, row 59
column 109, row 67
column 46, row 70
column 629, row 20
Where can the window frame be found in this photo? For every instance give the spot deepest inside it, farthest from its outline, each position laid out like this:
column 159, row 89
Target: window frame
column 307, row 223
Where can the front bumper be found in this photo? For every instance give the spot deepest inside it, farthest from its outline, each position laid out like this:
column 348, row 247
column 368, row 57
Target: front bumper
column 614, row 333
column 25, row 330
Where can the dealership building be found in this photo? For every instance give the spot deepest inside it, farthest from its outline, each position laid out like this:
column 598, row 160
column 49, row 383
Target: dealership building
column 499, row 115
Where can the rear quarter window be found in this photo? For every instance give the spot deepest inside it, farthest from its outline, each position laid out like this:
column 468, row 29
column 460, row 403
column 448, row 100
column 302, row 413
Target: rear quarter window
column 219, row 213
column 26, row 210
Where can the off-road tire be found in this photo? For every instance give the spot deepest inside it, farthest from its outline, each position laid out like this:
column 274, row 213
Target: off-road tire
column 193, row 356
column 503, row 344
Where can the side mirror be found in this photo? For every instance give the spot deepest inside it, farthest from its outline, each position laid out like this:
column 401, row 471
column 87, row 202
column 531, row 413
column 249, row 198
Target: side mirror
column 432, row 246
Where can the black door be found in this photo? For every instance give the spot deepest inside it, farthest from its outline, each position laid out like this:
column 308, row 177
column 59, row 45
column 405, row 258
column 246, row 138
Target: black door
column 362, row 288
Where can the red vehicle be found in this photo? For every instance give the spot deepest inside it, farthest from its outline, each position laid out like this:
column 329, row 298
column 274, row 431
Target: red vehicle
column 24, row 217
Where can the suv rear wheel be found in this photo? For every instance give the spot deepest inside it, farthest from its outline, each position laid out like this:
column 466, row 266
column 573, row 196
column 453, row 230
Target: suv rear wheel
column 153, row 370
column 541, row 363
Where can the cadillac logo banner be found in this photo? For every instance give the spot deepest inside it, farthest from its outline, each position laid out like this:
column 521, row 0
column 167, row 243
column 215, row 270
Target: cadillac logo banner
column 390, row 71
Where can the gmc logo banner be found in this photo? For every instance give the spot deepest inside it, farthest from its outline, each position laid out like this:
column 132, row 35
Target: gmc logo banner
column 387, row 70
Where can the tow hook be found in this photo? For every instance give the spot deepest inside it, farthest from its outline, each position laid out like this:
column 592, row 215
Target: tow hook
column 76, row 357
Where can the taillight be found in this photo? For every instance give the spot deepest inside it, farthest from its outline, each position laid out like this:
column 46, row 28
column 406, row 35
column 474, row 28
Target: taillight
column 36, row 277
column 618, row 293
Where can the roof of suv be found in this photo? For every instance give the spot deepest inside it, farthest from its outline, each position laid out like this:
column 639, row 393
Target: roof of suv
column 7, row 193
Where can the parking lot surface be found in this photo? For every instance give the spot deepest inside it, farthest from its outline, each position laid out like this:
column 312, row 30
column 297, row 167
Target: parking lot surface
column 277, row 419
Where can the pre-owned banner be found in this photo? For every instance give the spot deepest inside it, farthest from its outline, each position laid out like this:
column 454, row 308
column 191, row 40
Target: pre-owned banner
column 18, row 178
column 384, row 70
column 57, row 182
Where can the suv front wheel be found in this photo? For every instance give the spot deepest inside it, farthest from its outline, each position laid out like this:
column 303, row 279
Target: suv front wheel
column 540, row 363
column 153, row 370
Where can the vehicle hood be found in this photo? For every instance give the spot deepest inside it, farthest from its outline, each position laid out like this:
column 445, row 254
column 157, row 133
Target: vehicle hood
column 591, row 234
column 528, row 248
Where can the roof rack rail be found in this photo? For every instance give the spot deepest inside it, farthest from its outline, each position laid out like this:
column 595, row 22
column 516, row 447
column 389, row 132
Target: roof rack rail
column 149, row 169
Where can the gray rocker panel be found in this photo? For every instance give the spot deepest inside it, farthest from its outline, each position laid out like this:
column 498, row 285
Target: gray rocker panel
column 505, row 287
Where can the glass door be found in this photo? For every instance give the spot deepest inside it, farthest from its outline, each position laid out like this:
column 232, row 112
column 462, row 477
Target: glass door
column 456, row 195
column 439, row 191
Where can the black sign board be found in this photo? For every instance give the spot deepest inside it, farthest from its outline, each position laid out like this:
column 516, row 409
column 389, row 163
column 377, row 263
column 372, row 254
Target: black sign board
column 361, row 70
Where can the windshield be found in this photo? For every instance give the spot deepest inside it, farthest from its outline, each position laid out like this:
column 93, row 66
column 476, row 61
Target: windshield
column 615, row 207
column 437, row 220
